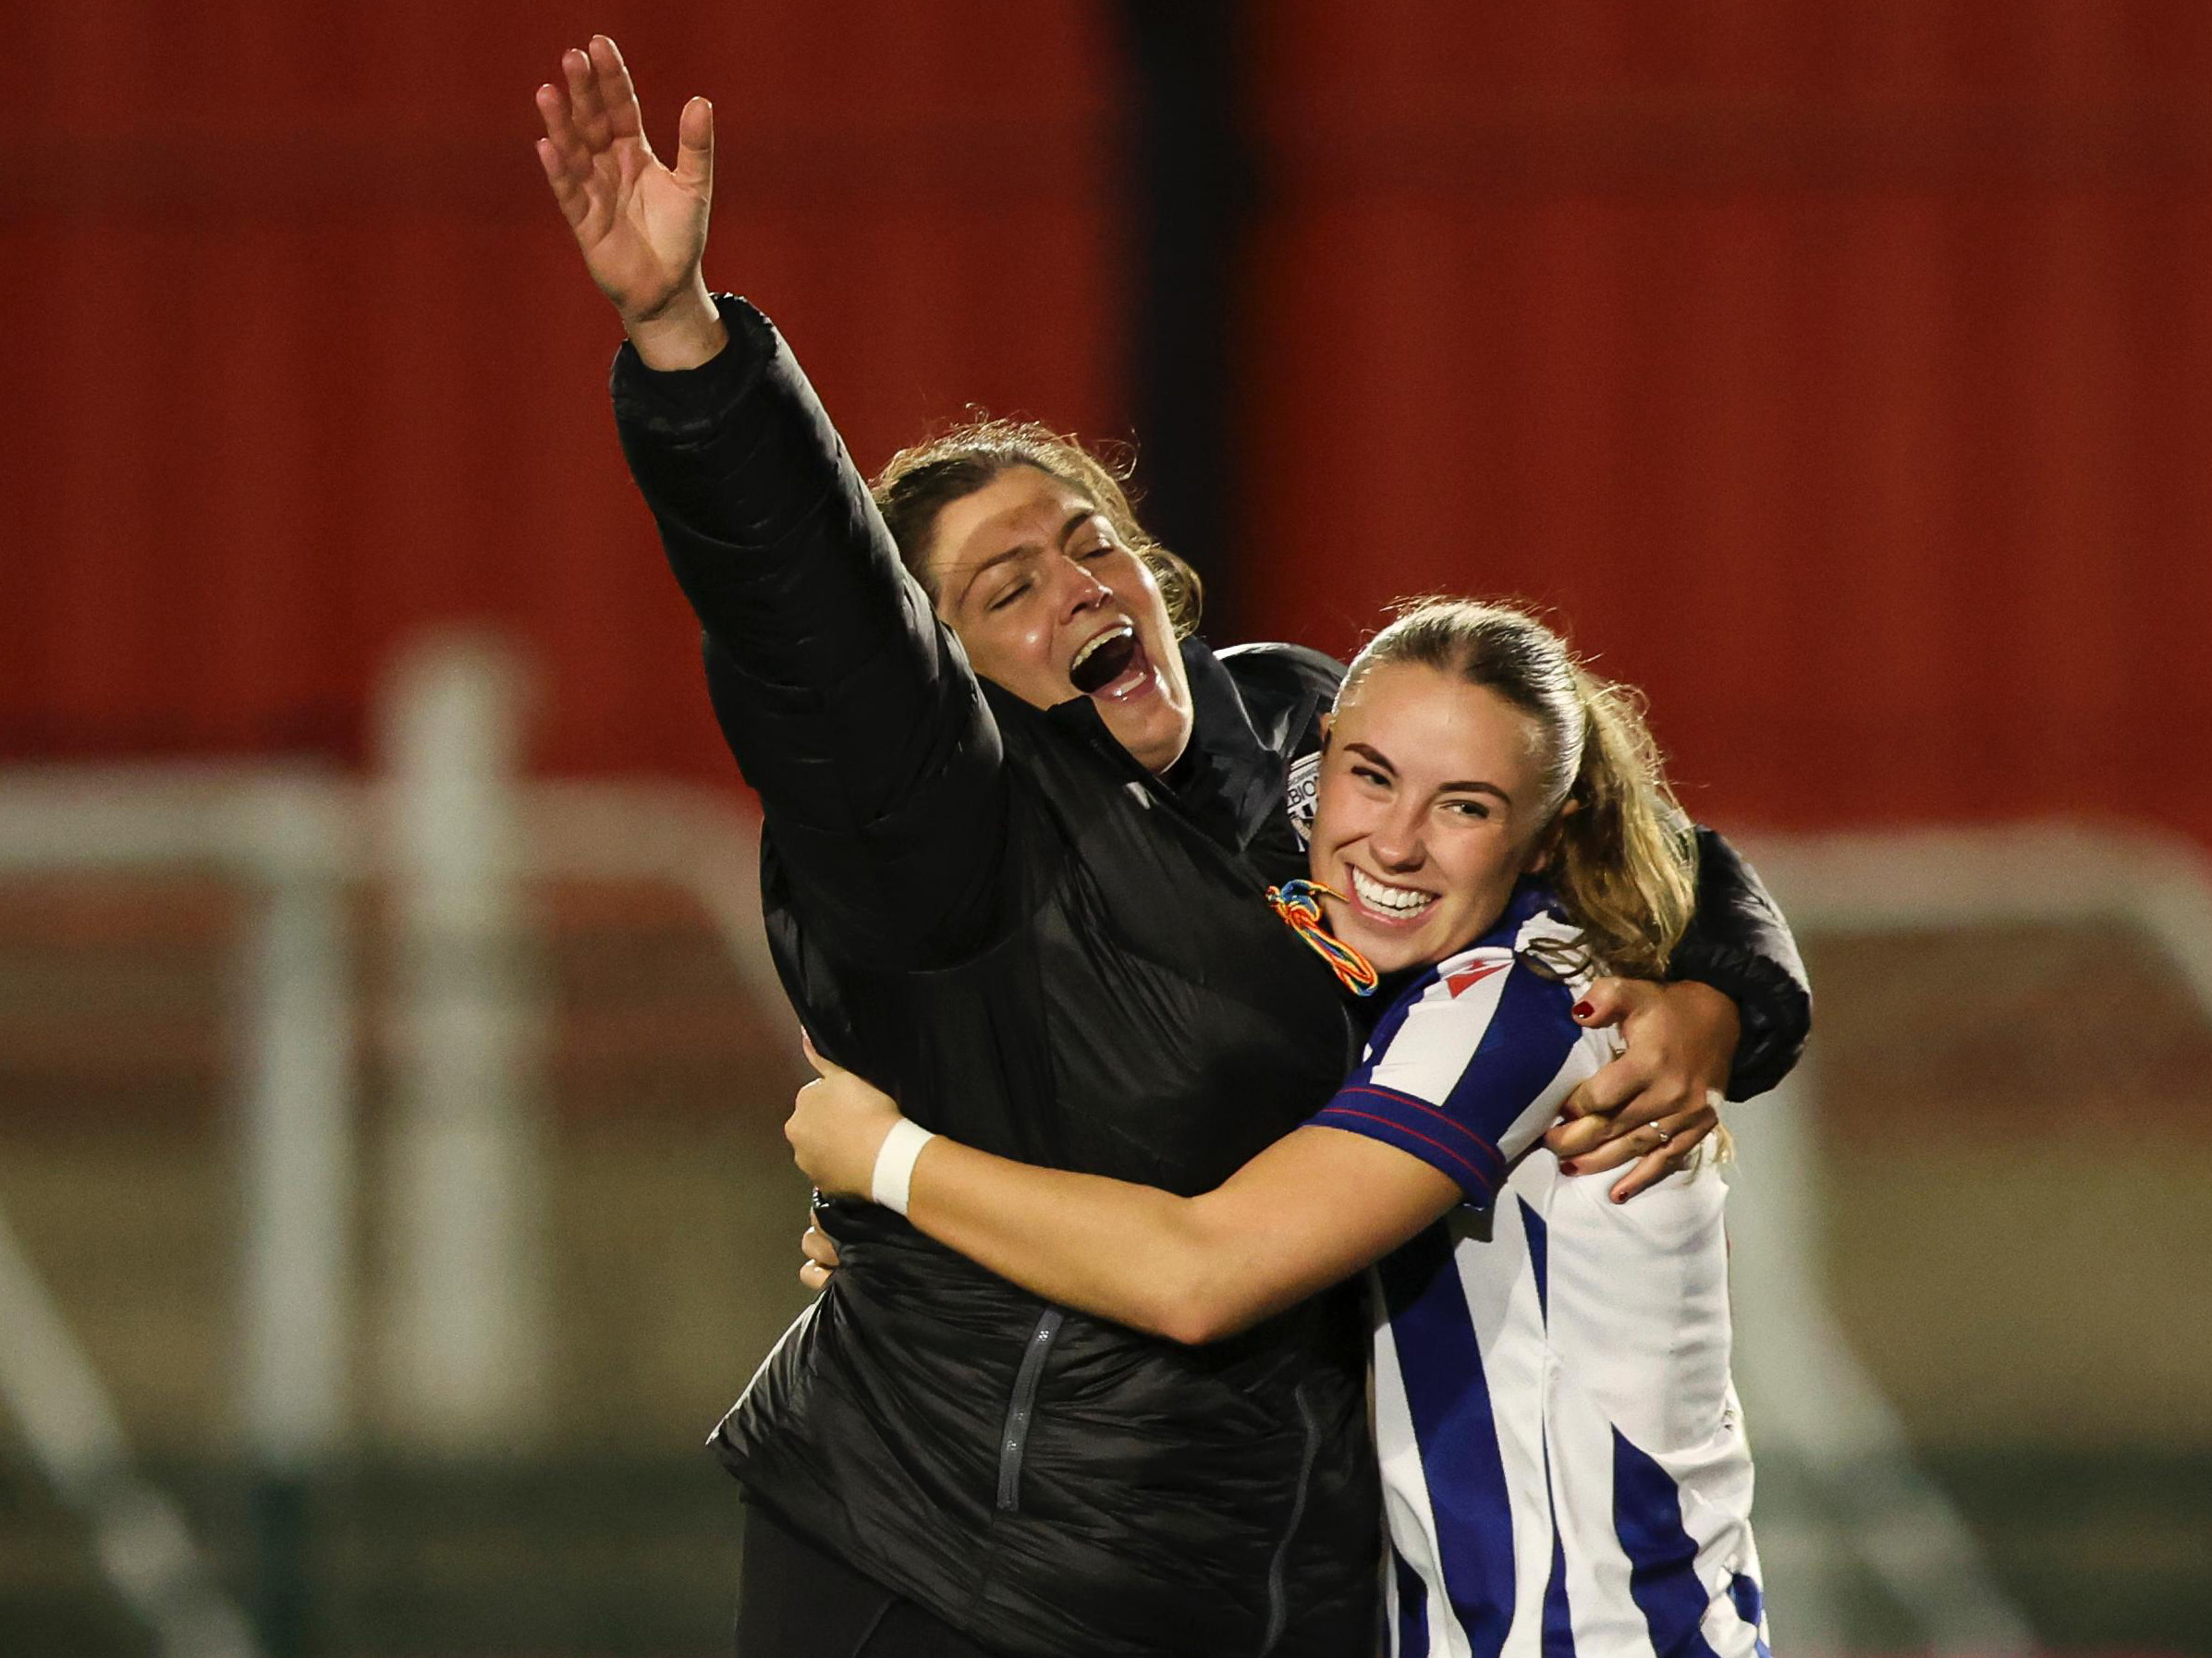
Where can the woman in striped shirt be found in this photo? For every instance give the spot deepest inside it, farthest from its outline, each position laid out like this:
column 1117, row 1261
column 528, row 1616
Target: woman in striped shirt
column 1563, row 1456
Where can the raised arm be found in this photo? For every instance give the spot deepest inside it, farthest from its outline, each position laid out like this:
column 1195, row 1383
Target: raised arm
column 847, row 704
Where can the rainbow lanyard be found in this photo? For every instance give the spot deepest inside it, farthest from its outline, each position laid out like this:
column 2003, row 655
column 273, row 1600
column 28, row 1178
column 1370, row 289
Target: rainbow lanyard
column 1298, row 903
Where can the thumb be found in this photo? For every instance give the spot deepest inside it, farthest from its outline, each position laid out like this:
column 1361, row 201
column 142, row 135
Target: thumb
column 695, row 147
column 1604, row 1003
column 822, row 1067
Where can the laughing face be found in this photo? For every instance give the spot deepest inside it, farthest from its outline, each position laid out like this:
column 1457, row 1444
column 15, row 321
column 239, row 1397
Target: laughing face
column 1051, row 605
column 1429, row 811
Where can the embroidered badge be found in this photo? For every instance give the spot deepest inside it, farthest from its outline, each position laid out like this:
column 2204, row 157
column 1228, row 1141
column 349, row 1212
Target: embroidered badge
column 1303, row 793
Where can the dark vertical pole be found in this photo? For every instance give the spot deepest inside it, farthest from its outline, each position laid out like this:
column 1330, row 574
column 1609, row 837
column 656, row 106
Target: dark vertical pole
column 281, row 1592
column 1192, row 183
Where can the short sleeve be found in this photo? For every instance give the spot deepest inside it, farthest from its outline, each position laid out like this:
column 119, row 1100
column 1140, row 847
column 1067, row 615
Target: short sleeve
column 1467, row 1069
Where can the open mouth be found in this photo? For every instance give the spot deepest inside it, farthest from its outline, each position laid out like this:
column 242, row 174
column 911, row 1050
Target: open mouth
column 1392, row 906
column 1104, row 660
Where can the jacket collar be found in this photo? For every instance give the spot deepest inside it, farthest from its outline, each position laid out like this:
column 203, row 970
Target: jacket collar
column 1226, row 772
column 1227, row 778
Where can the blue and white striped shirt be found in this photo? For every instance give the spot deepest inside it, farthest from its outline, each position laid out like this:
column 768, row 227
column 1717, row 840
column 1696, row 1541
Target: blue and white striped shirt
column 1564, row 1464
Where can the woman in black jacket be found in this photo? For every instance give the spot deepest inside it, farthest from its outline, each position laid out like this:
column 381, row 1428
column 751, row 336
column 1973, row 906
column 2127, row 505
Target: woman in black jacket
column 1029, row 906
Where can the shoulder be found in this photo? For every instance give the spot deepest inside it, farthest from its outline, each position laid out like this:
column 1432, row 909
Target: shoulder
column 1480, row 998
column 1497, row 1008
column 1285, row 690
column 1277, row 670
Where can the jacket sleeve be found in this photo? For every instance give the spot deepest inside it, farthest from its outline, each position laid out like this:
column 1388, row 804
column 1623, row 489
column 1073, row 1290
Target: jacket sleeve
column 1739, row 944
column 850, row 708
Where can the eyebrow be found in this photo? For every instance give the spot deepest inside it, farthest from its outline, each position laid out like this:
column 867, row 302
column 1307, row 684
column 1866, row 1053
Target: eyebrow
column 1473, row 786
column 1027, row 549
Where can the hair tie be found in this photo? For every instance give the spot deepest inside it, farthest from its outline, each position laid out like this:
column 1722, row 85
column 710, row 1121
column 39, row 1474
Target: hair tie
column 1299, row 903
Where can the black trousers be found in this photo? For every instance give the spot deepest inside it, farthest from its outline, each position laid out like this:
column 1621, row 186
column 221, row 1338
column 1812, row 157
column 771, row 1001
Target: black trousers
column 796, row 1602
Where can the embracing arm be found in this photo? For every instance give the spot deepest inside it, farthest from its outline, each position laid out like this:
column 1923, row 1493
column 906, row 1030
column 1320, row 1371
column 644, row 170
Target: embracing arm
column 847, row 706
column 1739, row 944
column 1307, row 1213
column 1733, row 1021
column 1437, row 1113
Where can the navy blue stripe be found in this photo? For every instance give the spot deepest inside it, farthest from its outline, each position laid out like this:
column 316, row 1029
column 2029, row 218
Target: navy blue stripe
column 1647, row 1517
column 1558, row 1620
column 1441, row 1361
column 1527, row 1041
column 1750, row 1607
column 1413, row 1608
column 1539, row 1254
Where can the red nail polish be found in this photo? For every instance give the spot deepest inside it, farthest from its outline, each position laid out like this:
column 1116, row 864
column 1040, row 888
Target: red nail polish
column 1582, row 1010
column 1569, row 1168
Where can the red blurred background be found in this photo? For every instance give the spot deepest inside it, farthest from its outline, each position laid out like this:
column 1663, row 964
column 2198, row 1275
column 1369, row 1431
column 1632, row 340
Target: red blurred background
column 1844, row 375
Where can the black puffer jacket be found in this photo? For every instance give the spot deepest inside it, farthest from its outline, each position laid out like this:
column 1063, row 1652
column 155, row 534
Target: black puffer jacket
column 993, row 911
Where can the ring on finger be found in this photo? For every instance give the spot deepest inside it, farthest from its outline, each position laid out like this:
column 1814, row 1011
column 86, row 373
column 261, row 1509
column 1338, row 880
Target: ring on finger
column 1663, row 1133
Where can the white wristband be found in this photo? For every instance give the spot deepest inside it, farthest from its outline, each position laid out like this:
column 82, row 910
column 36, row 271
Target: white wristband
column 894, row 1165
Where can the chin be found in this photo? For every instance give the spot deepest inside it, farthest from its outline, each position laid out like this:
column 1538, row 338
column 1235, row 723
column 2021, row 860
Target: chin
column 1394, row 956
column 1157, row 740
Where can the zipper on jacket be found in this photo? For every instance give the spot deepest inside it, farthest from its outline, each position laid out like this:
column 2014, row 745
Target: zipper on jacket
column 1278, row 1605
column 1021, row 1407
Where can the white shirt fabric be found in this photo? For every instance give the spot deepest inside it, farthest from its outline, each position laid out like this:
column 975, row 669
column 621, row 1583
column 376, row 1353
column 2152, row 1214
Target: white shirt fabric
column 1564, row 1464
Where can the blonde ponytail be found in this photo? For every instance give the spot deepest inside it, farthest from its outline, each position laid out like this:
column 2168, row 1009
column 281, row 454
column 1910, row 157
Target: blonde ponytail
column 1620, row 855
column 1617, row 852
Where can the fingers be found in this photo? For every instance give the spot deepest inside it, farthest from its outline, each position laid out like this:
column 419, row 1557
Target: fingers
column 1592, row 1154
column 818, row 1247
column 560, row 125
column 587, row 109
column 618, row 98
column 565, row 192
column 1618, row 1129
column 1670, row 1155
column 1656, row 1147
column 1610, row 1087
column 695, row 147
column 830, row 1070
column 1649, row 1171
column 563, row 152
column 821, row 1252
column 1608, row 1001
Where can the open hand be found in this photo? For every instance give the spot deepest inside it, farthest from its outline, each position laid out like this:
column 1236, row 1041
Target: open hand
column 1658, row 1102
column 837, row 1127
column 641, row 226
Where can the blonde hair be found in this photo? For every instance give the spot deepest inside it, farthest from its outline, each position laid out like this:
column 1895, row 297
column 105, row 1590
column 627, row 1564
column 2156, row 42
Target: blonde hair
column 1617, row 850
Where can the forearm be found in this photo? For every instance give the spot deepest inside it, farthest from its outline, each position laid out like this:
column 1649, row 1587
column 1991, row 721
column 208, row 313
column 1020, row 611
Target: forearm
column 768, row 528
column 1131, row 1253
column 1739, row 944
column 845, row 704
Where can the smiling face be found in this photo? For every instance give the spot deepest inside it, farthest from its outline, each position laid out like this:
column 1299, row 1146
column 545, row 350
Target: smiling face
column 1050, row 604
column 1430, row 808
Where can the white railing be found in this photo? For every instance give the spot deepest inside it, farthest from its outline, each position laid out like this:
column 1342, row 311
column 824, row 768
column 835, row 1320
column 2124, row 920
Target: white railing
column 1805, row 1391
